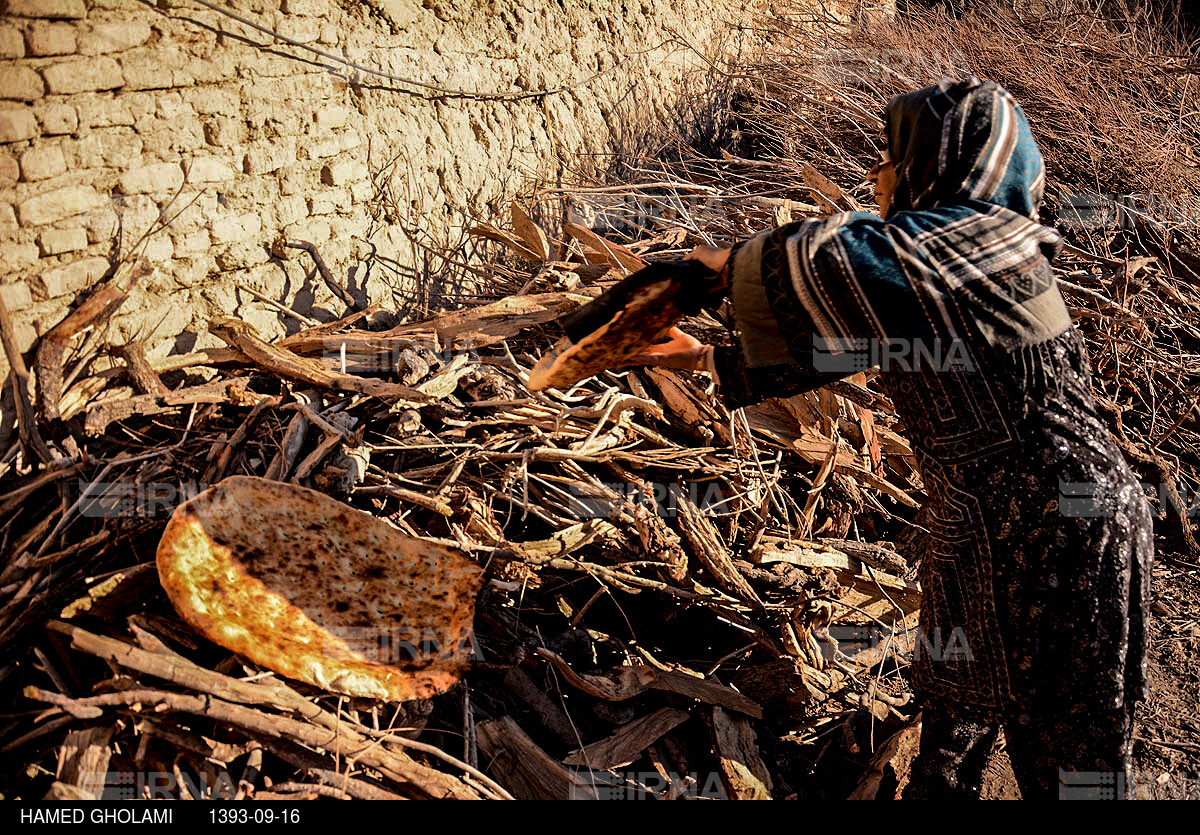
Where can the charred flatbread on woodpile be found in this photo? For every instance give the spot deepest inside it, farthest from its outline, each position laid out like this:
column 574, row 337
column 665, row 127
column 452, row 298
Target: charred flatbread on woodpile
column 320, row 592
column 623, row 322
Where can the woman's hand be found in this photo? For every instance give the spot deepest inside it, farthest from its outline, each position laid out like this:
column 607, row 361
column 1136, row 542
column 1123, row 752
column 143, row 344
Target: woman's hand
column 681, row 351
column 715, row 258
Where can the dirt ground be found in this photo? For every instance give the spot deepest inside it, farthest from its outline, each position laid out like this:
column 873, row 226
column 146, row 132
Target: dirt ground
column 1166, row 747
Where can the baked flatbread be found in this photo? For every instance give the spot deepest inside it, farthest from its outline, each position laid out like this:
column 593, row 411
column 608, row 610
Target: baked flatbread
column 622, row 323
column 320, row 592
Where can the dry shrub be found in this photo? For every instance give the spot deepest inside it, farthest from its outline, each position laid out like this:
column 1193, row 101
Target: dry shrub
column 1111, row 94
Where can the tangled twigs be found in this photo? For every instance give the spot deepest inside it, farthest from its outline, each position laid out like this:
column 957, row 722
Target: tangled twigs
column 102, row 302
column 19, row 374
column 326, row 276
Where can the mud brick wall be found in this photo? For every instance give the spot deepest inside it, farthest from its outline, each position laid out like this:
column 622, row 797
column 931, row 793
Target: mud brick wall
column 116, row 115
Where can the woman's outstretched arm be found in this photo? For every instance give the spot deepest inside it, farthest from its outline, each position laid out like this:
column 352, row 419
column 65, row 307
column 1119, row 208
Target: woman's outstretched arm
column 777, row 351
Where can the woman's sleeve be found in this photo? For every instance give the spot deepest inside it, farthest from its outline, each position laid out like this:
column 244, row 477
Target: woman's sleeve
column 779, row 351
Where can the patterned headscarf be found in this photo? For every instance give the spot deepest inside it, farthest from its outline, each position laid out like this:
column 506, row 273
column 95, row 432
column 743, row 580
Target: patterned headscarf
column 963, row 139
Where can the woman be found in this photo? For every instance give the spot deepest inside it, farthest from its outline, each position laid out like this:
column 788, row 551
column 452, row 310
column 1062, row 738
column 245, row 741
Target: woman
column 951, row 291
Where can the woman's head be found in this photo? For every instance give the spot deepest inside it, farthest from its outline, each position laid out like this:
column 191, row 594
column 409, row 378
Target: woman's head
column 961, row 140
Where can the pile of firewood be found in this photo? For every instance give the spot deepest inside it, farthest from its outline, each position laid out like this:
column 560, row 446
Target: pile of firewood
column 652, row 558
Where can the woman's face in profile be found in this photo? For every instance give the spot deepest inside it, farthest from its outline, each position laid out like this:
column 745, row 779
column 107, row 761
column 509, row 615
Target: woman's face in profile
column 883, row 177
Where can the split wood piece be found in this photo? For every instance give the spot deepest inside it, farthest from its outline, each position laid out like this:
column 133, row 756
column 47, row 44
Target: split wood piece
column 743, row 772
column 289, row 448
column 785, row 684
column 675, row 750
column 624, row 683
column 27, row 429
column 92, row 391
column 230, row 390
column 83, row 760
column 475, row 516
column 875, row 592
column 863, row 396
column 704, row 541
column 899, row 645
column 105, row 597
column 827, row 191
column 600, row 249
column 791, row 582
column 806, row 409
column 873, row 554
column 570, row 276
column 694, row 412
column 338, row 423
column 426, row 782
column 783, row 208
column 866, row 420
column 64, row 792
column 102, row 302
column 338, row 429
column 411, row 496
column 628, row 742
column 548, row 713
column 250, row 771
column 357, row 789
column 478, row 327
column 513, row 242
column 891, row 765
column 221, row 753
column 318, row 723
column 527, row 771
column 326, row 276
column 168, row 665
column 659, row 541
column 568, row 539
column 205, row 356
column 283, row 362
column 229, row 447
column 530, row 233
column 626, row 582
column 674, row 238
column 443, row 384
column 814, row 492
column 138, row 369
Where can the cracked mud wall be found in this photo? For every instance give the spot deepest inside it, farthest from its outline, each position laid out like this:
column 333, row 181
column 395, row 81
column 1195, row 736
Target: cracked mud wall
column 118, row 113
